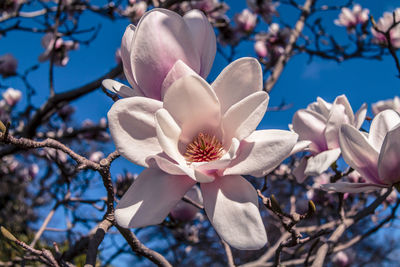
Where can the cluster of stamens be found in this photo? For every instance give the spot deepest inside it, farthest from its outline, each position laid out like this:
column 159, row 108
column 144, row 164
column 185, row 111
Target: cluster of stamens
column 204, row 148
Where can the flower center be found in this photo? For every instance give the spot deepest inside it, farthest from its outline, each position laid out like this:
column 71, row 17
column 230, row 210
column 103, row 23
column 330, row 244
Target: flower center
column 204, row 147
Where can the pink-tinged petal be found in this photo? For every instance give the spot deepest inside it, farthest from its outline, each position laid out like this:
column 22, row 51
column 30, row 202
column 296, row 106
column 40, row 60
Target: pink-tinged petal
column 300, row 146
column 166, row 164
column 310, row 125
column 161, row 38
column 168, row 133
column 358, row 153
column 359, row 117
column 381, row 125
column 120, row 88
column 133, row 128
column 126, row 49
column 150, row 198
column 342, row 100
column 242, row 118
column 344, row 187
column 238, row 80
column 261, row 152
column 298, row 172
column 194, row 106
column 231, row 205
column 336, row 118
column 203, row 37
column 389, row 158
column 321, row 162
column 179, row 70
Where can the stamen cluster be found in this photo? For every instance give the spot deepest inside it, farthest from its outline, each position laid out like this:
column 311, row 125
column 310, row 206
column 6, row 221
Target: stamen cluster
column 204, row 148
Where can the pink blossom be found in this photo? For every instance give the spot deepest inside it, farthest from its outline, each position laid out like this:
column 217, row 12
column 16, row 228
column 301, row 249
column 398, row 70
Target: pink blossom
column 135, row 10
column 319, row 125
column 246, row 21
column 341, row 259
column 260, row 48
column 201, row 134
column 12, row 96
column 265, row 8
column 184, row 211
column 61, row 49
column 351, row 18
column 375, row 156
column 8, row 65
column 386, row 104
column 384, row 24
column 162, row 48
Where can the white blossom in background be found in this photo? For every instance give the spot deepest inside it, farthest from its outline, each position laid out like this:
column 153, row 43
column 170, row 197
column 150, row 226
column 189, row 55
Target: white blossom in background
column 135, row 10
column 260, row 48
column 318, row 126
column 185, row 45
column 350, row 18
column 201, row 134
column 96, row 156
column 266, row 8
column 386, row 104
column 12, row 96
column 341, row 259
column 61, row 49
column 376, row 156
column 384, row 24
column 8, row 65
column 246, row 21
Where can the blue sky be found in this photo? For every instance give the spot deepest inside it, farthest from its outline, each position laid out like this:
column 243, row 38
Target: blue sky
column 300, row 84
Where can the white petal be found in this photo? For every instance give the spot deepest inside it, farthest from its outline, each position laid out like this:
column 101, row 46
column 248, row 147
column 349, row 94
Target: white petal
column 389, row 158
column 310, row 125
column 133, row 128
column 298, row 172
column 344, row 187
column 359, row 117
column 242, row 118
column 120, row 88
column 168, row 133
column 179, row 70
column 150, row 198
column 203, row 38
column 321, row 162
column 126, row 48
column 194, row 106
column 231, row 205
column 336, row 118
column 261, row 152
column 300, row 146
column 161, row 38
column 342, row 99
column 381, row 124
column 238, row 80
column 358, row 153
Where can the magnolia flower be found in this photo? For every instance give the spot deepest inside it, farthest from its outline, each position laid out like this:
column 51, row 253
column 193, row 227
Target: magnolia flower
column 386, row 104
column 8, row 65
column 260, row 48
column 135, row 10
column 375, row 156
column 351, row 18
column 214, row 9
column 384, row 24
column 200, row 134
column 265, row 8
column 184, row 211
column 319, row 125
column 12, row 96
column 151, row 50
column 246, row 21
column 61, row 49
column 341, row 259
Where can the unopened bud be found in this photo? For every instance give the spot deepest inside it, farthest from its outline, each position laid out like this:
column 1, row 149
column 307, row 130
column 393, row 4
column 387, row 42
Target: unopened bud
column 275, row 204
column 7, row 234
column 311, row 209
